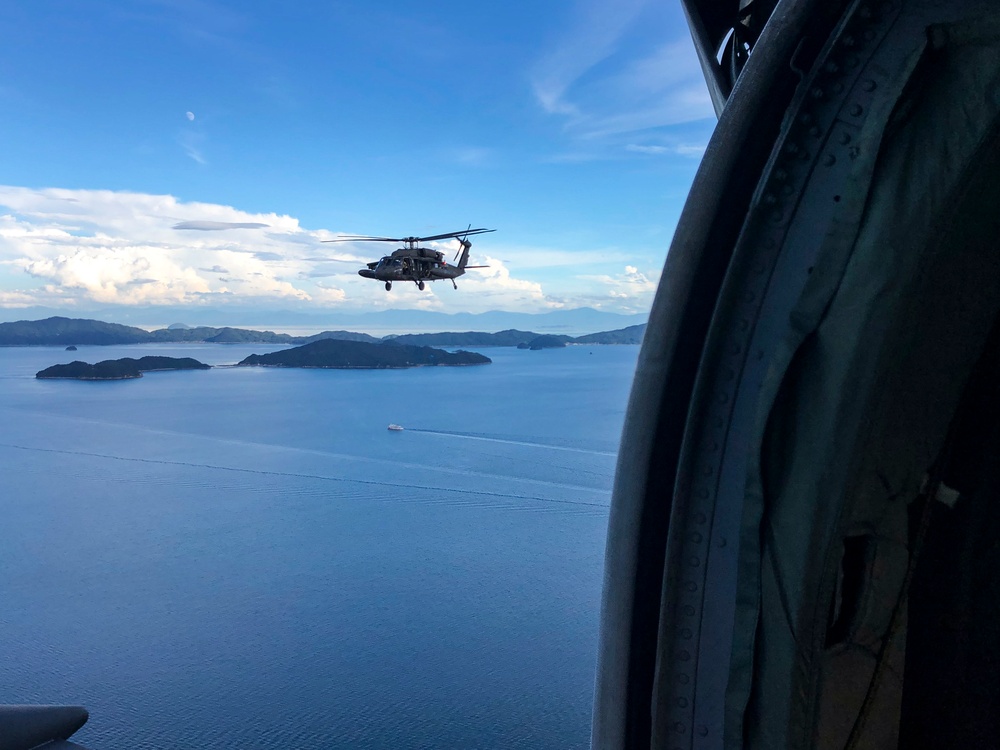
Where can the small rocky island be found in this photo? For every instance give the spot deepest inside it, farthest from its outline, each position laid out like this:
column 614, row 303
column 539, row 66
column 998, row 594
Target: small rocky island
column 544, row 342
column 120, row 369
column 338, row 354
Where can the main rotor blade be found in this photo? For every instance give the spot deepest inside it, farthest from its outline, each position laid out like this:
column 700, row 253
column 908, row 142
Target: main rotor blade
column 448, row 236
column 453, row 235
column 477, row 266
column 362, row 238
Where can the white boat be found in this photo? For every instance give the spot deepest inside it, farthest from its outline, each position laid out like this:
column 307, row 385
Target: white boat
column 396, row 427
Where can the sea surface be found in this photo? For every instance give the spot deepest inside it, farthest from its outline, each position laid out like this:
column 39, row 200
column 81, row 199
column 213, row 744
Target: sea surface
column 248, row 558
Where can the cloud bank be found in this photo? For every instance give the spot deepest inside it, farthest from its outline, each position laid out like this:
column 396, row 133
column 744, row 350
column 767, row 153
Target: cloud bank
column 73, row 248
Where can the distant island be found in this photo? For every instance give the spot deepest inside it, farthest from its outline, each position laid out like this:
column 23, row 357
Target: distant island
column 119, row 369
column 544, row 342
column 59, row 331
column 339, row 354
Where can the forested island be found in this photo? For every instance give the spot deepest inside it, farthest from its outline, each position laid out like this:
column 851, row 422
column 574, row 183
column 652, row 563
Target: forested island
column 544, row 342
column 119, row 369
column 339, row 354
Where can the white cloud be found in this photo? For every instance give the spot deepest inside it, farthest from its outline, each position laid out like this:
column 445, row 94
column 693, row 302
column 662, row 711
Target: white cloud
column 631, row 291
column 71, row 248
column 123, row 248
column 611, row 74
column 691, row 150
column 191, row 144
column 595, row 35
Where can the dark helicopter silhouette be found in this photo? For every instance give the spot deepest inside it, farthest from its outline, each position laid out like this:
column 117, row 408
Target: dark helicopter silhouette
column 418, row 264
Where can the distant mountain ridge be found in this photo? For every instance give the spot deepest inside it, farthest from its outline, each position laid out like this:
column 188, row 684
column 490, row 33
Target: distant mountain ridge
column 59, row 331
column 569, row 322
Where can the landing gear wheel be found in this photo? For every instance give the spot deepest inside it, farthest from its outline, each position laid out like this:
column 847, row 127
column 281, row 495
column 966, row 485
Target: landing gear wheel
column 388, row 285
column 454, row 284
column 420, row 285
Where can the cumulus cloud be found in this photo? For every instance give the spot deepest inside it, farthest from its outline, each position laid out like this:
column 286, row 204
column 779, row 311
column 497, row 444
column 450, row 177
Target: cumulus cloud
column 631, row 291
column 122, row 248
column 71, row 248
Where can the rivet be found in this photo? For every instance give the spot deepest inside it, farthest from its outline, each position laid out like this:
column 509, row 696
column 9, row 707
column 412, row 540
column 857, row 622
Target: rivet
column 683, row 679
column 814, row 131
column 722, row 541
column 691, row 586
column 816, row 93
column 682, row 702
column 781, row 175
column 856, row 110
column 699, row 518
column 830, row 160
column 868, row 85
column 696, row 537
column 684, row 656
column 689, row 610
column 679, row 727
column 694, row 562
column 845, row 138
column 703, row 730
column 848, row 41
column 837, row 87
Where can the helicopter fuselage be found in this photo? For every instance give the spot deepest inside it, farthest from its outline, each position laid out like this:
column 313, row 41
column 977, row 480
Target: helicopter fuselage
column 413, row 264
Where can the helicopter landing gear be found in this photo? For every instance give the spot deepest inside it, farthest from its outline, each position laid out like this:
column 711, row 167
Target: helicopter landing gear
column 388, row 286
column 454, row 284
column 420, row 285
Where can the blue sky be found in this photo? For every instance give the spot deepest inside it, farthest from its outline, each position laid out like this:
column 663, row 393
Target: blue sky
column 573, row 127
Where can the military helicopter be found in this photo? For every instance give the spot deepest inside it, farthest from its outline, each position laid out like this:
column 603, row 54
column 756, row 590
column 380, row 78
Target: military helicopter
column 418, row 264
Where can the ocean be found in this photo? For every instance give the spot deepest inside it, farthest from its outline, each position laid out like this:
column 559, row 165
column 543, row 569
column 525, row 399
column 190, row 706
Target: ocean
column 248, row 558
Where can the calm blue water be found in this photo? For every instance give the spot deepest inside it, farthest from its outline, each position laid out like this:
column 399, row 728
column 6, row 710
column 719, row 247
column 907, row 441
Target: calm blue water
column 248, row 558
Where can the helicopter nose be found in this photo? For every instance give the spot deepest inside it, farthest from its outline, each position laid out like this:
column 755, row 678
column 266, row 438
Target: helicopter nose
column 367, row 273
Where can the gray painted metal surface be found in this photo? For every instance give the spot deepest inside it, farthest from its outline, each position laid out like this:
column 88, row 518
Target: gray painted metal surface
column 27, row 727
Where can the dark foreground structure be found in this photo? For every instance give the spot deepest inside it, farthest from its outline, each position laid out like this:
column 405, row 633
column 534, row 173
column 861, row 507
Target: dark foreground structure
column 803, row 543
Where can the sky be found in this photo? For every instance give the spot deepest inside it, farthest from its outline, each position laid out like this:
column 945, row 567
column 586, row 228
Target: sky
column 196, row 153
